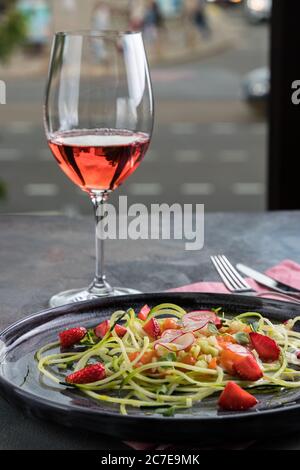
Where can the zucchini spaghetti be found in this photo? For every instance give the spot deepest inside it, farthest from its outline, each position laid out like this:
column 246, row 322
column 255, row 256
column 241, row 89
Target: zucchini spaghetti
column 164, row 359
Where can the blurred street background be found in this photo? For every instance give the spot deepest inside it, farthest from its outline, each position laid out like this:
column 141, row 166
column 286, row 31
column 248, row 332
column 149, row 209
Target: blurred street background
column 210, row 76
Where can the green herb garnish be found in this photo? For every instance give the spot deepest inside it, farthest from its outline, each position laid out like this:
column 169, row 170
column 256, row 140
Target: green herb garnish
column 211, row 327
column 242, row 338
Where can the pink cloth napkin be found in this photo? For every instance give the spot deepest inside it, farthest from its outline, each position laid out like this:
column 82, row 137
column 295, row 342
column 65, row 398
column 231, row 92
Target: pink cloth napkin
column 287, row 271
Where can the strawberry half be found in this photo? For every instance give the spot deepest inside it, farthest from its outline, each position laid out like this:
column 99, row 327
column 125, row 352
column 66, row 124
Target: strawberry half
column 144, row 312
column 120, row 330
column 248, row 369
column 267, row 349
column 70, row 337
column 234, row 398
column 101, row 330
column 152, row 328
column 88, row 374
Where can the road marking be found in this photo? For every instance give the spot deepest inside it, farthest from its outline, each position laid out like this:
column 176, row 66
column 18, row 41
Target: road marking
column 183, row 128
column 41, row 189
column 38, row 213
column 20, row 127
column 248, row 189
column 70, row 210
column 224, row 128
column 197, row 189
column 10, row 155
column 188, row 156
column 145, row 189
column 233, row 156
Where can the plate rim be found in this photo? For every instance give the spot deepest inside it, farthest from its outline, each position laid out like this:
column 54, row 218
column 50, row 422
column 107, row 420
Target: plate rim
column 28, row 397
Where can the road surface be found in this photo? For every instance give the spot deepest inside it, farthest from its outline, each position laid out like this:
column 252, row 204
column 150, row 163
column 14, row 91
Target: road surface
column 208, row 146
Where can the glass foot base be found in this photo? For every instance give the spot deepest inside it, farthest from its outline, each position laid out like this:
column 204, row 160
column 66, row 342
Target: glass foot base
column 79, row 295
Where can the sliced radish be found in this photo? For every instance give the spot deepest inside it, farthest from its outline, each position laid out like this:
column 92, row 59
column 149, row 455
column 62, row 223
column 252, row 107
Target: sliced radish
column 170, row 335
column 167, row 337
column 198, row 315
column 195, row 326
column 199, row 319
column 184, row 341
column 179, row 343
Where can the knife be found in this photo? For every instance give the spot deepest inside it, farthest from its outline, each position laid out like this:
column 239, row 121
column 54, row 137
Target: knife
column 267, row 281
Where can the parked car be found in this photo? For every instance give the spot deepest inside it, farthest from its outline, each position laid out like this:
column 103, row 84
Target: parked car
column 258, row 10
column 256, row 86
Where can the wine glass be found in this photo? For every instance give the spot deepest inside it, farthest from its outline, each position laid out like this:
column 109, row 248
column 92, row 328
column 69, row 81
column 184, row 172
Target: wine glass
column 98, row 119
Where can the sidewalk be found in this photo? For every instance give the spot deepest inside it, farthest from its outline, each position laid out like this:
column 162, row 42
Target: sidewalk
column 185, row 43
column 180, row 43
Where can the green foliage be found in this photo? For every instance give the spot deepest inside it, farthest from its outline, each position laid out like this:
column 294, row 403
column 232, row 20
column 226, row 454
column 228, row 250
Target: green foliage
column 13, row 29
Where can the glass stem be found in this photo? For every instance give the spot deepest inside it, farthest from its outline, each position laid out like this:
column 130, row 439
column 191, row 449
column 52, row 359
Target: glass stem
column 99, row 285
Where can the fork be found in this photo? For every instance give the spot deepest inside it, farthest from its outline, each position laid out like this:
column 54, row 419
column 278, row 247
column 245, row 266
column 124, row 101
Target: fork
column 229, row 275
column 236, row 283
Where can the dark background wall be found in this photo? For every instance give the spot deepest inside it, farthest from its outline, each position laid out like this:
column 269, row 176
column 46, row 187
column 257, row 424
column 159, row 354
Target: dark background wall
column 284, row 141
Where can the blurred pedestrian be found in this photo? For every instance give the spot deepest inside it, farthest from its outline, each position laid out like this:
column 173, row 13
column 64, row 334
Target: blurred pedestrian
column 38, row 17
column 200, row 18
column 136, row 14
column 153, row 22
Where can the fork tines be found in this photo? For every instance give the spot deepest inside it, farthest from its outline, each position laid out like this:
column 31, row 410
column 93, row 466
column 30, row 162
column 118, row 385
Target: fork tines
column 229, row 275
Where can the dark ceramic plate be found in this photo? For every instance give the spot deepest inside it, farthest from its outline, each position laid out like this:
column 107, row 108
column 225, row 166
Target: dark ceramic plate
column 21, row 384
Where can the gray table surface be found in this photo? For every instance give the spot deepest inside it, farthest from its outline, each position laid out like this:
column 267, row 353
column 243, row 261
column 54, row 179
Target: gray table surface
column 42, row 255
